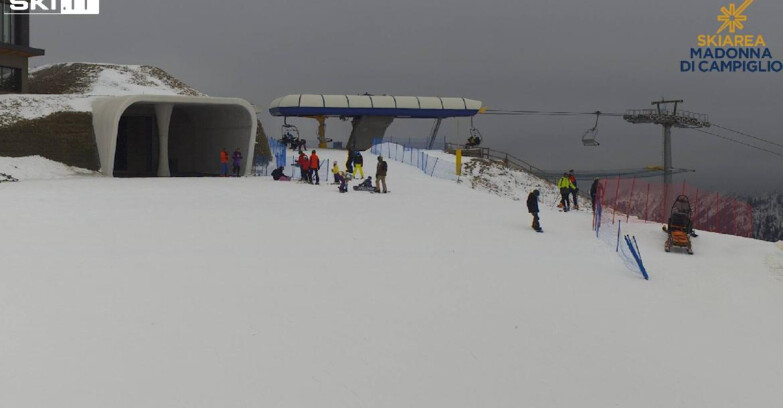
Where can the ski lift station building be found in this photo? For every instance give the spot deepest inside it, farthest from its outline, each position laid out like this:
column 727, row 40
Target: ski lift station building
column 372, row 114
column 170, row 135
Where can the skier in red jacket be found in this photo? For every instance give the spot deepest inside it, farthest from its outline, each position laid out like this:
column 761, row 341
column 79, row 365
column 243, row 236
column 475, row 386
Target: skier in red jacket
column 304, row 166
column 315, row 163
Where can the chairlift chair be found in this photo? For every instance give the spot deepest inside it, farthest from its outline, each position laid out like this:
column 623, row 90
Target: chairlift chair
column 475, row 135
column 589, row 137
column 290, row 133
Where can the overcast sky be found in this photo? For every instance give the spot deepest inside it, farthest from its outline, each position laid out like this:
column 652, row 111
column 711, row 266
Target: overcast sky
column 607, row 55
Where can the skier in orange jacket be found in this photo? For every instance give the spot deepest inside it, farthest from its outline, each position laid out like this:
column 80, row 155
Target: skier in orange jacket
column 223, row 163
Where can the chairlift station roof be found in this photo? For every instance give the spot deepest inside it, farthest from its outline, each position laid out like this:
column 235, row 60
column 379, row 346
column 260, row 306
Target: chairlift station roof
column 424, row 107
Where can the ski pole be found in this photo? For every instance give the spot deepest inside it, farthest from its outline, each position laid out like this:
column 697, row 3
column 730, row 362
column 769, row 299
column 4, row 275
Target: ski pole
column 557, row 201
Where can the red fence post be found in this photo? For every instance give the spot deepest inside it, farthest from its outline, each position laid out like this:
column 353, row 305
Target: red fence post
column 683, row 188
column 665, row 200
column 646, row 200
column 715, row 216
column 630, row 200
column 734, row 211
column 696, row 207
column 616, row 192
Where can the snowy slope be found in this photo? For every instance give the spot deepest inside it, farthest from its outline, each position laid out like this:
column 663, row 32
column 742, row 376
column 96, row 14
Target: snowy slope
column 18, row 107
column 39, row 168
column 85, row 82
column 249, row 292
column 106, row 79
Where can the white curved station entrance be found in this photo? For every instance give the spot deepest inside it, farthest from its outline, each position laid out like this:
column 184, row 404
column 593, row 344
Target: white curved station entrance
column 169, row 135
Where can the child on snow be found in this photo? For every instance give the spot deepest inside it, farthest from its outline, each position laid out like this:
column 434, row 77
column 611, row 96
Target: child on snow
column 343, row 180
column 532, row 208
column 336, row 172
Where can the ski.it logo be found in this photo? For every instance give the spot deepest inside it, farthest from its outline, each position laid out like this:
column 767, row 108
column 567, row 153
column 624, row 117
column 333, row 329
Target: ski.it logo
column 70, row 7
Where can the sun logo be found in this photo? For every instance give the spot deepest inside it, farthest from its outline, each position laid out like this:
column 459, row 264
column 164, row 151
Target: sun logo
column 732, row 17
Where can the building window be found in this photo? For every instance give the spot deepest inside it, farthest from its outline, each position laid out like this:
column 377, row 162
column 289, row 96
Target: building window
column 8, row 24
column 10, row 79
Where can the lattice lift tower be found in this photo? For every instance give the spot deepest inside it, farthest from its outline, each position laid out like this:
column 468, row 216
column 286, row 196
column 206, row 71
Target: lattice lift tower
column 668, row 119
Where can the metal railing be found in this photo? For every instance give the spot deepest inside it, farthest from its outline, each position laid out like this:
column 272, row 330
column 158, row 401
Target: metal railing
column 681, row 118
column 508, row 160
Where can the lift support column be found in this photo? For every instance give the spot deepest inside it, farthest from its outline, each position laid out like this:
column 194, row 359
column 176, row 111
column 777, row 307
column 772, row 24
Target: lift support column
column 163, row 115
column 434, row 133
column 321, row 131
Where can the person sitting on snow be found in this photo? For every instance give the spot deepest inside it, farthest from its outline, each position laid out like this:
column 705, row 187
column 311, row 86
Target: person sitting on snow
column 367, row 182
column 277, row 174
column 341, row 178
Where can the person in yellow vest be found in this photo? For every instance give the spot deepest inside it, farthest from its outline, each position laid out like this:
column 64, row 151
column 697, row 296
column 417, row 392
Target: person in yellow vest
column 565, row 185
column 335, row 172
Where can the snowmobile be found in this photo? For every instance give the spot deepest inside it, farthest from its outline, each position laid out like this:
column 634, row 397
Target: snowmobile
column 680, row 226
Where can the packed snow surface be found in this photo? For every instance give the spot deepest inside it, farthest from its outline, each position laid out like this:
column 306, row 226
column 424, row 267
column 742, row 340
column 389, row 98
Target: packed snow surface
column 39, row 168
column 246, row 292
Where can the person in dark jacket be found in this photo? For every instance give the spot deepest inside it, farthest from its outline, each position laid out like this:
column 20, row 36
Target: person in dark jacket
column 358, row 162
column 277, row 174
column 596, row 191
column 343, row 188
column 237, row 164
column 380, row 175
column 366, row 183
column 574, row 189
column 349, row 162
column 532, row 208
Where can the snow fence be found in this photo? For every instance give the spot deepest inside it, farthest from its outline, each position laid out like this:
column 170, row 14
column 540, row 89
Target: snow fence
column 278, row 150
column 653, row 201
column 611, row 233
column 423, row 159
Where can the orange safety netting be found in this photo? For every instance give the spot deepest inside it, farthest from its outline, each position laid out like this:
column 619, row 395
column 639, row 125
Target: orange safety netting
column 652, row 202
